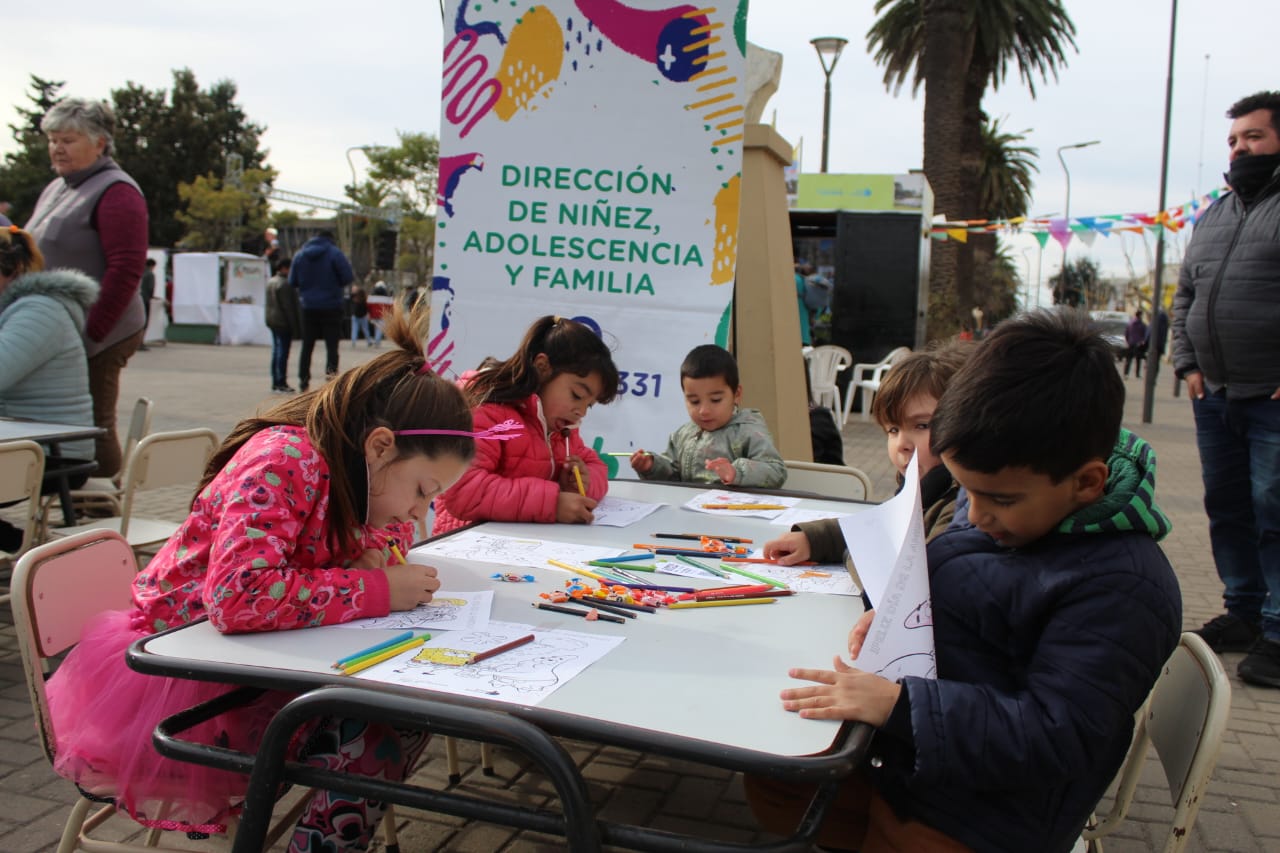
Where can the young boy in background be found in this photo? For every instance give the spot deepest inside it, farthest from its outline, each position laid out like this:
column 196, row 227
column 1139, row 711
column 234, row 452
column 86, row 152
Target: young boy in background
column 722, row 443
column 1053, row 613
column 903, row 407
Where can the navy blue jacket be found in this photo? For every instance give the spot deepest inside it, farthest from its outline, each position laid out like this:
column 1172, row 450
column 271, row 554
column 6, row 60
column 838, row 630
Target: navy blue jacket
column 320, row 271
column 1044, row 654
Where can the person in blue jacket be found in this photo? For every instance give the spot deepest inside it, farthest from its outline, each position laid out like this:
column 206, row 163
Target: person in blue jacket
column 1053, row 612
column 320, row 272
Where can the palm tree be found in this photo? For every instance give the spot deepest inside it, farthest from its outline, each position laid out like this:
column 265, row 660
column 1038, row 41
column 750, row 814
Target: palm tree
column 964, row 45
column 1004, row 191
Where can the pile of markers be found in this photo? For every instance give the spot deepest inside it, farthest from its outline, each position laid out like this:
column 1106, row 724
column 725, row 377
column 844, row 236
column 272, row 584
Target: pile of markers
column 617, row 603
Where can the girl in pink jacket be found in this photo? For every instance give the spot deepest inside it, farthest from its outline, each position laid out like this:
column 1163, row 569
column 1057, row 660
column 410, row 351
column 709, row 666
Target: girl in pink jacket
column 561, row 369
column 293, row 526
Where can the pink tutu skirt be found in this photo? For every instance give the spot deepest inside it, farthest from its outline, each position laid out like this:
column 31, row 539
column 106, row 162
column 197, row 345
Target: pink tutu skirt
column 104, row 713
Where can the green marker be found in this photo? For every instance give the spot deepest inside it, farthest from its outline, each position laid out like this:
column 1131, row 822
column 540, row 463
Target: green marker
column 689, row 561
column 605, row 564
column 729, row 567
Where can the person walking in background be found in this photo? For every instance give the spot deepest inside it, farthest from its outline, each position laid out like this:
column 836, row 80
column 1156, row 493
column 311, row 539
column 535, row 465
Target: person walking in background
column 320, row 272
column 93, row 218
column 1135, row 343
column 360, row 316
column 146, row 290
column 1226, row 311
column 803, row 271
column 284, row 319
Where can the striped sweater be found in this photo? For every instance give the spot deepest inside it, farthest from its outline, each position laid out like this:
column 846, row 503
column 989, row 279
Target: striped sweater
column 1129, row 502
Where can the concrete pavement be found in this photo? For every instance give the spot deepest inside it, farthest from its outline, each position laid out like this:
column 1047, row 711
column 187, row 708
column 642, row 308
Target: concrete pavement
column 194, row 385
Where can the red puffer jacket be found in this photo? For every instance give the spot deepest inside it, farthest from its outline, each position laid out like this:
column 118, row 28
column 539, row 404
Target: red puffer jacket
column 516, row 480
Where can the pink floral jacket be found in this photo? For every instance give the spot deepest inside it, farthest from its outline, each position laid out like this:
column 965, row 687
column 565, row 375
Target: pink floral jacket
column 254, row 555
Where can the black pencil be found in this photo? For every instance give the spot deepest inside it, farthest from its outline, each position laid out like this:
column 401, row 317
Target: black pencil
column 698, row 537
column 607, row 608
column 542, row 605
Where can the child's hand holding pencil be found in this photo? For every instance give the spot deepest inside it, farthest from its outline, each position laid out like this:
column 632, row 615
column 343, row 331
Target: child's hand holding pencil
column 411, row 584
column 642, row 462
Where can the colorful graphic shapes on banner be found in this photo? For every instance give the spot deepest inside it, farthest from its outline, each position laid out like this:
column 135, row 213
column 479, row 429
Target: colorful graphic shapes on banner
column 451, row 171
column 726, row 246
column 672, row 39
column 531, row 61
column 468, row 93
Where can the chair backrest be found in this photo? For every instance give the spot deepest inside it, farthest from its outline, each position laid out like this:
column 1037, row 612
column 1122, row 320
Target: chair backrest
column 165, row 459
column 1184, row 719
column 21, row 473
column 837, row 481
column 139, row 425
column 825, row 363
column 57, row 588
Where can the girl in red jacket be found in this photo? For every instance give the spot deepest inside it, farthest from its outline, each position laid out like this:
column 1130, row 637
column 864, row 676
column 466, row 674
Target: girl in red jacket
column 561, row 369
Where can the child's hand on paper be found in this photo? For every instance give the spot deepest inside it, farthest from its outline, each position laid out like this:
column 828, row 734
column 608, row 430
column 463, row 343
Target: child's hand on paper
column 845, row 694
column 858, row 635
column 573, row 508
column 411, row 584
column 723, row 469
column 788, row 549
column 642, row 462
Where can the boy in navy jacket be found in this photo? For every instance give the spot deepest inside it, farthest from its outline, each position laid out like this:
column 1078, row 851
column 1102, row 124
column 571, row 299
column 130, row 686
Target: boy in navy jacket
column 1053, row 612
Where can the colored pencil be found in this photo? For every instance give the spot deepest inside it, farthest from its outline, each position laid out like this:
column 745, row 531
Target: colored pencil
column 629, row 558
column 691, row 552
column 737, row 570
column 728, row 602
column 577, row 475
column 377, row 647
column 749, row 589
column 773, row 593
column 698, row 537
column 606, row 607
column 627, row 605
column 628, row 564
column 624, row 576
column 363, row 664
column 763, row 560
column 571, row 568
column 396, row 550
column 658, row 588
column 556, row 608
column 689, row 561
column 745, row 506
column 497, row 650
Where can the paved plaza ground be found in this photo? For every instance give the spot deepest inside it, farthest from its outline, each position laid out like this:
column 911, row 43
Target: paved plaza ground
column 193, row 385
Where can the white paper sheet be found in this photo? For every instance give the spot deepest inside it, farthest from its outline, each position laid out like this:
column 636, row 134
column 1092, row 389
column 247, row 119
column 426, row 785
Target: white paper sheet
column 525, row 675
column 447, row 610
column 886, row 543
column 674, row 567
column 796, row 516
column 826, row 579
column 620, row 512
column 510, row 551
column 699, row 501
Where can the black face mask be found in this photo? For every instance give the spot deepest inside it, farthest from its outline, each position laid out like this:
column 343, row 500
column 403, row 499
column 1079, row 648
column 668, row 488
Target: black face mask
column 1250, row 173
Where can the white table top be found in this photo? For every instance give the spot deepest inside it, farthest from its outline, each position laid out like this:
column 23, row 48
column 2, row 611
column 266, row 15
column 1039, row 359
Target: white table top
column 16, row 429
column 706, row 674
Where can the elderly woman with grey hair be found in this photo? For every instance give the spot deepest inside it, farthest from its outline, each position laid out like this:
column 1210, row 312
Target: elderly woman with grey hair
column 93, row 218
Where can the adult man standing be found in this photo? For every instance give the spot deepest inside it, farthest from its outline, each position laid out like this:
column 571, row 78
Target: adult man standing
column 1135, row 343
column 320, row 272
column 1225, row 315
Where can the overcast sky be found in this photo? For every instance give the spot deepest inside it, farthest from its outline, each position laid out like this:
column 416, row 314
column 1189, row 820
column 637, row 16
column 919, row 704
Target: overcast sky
column 325, row 77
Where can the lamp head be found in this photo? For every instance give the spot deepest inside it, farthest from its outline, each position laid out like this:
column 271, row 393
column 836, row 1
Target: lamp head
column 828, row 46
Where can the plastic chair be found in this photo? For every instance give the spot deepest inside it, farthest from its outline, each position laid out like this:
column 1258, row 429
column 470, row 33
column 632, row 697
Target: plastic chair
column 21, row 474
column 837, row 481
column 825, row 364
column 58, row 588
column 161, row 459
column 866, row 379
column 1184, row 719
column 107, row 492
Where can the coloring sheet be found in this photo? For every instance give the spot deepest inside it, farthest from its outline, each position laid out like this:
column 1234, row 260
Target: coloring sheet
column 826, row 579
column 886, row 543
column 524, row 675
column 674, row 567
column 620, row 512
column 510, row 551
column 742, row 503
column 800, row 516
column 453, row 611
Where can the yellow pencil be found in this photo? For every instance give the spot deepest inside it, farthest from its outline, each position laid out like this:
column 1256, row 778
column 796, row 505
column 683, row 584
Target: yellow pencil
column 577, row 475
column 728, row 602
column 743, row 506
column 570, row 568
column 387, row 655
column 396, row 551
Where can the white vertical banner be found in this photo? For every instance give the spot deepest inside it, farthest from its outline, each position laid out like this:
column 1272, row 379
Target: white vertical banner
column 590, row 163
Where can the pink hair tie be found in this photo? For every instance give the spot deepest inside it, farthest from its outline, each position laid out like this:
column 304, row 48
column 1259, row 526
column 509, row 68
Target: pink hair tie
column 504, row 431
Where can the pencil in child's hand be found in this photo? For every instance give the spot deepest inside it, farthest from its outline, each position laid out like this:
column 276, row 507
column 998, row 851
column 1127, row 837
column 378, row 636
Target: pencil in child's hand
column 395, row 550
column 577, row 475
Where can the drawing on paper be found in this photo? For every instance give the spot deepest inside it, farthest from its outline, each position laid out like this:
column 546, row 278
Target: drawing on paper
column 921, row 616
column 447, row 610
column 532, row 668
column 920, row 664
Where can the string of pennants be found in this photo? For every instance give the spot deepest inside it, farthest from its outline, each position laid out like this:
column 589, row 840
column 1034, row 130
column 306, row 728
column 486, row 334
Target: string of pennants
column 1087, row 228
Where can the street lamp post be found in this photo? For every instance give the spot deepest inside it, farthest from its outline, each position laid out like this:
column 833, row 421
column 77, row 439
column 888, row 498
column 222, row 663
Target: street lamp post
column 827, row 46
column 1066, row 210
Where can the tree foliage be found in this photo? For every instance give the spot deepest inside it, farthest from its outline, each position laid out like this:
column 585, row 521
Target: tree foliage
column 163, row 139
column 219, row 215
column 1078, row 284
column 26, row 171
column 403, row 174
column 1004, row 189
